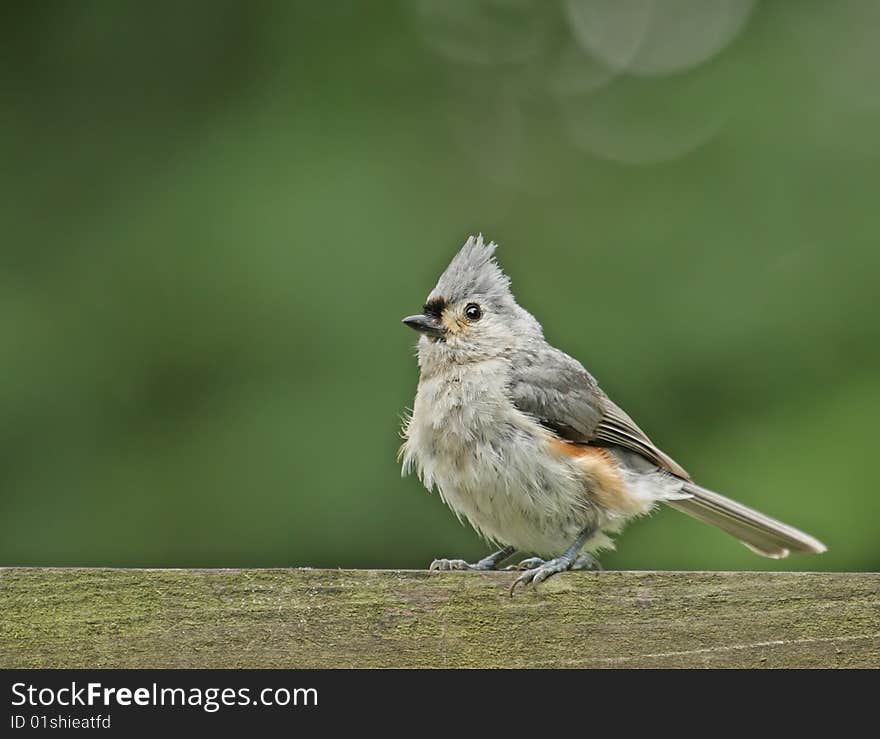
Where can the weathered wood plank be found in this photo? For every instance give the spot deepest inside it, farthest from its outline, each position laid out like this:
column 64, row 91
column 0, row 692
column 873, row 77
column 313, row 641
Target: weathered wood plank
column 360, row 618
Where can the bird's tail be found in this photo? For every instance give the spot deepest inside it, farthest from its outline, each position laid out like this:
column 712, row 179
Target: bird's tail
column 760, row 533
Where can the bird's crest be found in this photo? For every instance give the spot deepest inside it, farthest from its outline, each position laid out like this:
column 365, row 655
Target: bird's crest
column 474, row 272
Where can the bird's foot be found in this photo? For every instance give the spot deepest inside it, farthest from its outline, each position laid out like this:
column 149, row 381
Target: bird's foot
column 587, row 562
column 489, row 562
column 446, row 565
column 583, row 562
column 540, row 573
column 537, row 570
column 527, row 564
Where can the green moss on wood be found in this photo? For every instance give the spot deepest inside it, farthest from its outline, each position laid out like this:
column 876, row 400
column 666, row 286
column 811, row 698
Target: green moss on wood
column 359, row 618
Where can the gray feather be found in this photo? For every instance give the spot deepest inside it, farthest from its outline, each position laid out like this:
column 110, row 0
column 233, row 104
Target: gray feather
column 616, row 427
column 474, row 274
column 760, row 533
column 555, row 388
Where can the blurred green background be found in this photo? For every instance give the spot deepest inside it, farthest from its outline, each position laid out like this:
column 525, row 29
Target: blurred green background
column 216, row 213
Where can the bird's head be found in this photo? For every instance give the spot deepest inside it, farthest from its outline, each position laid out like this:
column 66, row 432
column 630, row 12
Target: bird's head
column 471, row 315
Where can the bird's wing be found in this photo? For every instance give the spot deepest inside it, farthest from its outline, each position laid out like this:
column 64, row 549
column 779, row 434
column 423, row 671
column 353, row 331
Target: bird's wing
column 616, row 427
column 556, row 390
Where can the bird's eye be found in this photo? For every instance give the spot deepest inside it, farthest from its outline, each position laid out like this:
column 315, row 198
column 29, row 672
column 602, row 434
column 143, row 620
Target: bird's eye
column 473, row 312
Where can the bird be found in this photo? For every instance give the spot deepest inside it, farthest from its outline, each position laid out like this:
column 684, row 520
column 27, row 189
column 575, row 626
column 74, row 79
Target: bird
column 518, row 438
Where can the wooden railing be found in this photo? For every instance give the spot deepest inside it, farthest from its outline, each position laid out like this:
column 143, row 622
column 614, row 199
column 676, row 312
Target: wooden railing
column 114, row 618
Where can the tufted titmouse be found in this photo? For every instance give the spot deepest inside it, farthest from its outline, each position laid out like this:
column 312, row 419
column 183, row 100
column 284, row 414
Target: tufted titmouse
column 519, row 439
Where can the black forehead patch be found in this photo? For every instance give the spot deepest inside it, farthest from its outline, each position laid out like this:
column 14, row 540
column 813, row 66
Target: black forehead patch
column 434, row 307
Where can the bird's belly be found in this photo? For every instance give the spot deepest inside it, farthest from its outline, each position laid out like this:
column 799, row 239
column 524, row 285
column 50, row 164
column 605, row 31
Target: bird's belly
column 513, row 492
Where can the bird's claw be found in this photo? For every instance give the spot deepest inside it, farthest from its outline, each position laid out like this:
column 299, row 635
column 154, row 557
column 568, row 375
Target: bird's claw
column 538, row 574
column 537, row 570
column 587, row 562
column 447, row 565
column 527, row 564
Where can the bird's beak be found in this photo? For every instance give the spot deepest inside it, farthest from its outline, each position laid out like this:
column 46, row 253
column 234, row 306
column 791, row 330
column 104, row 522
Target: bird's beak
column 428, row 325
